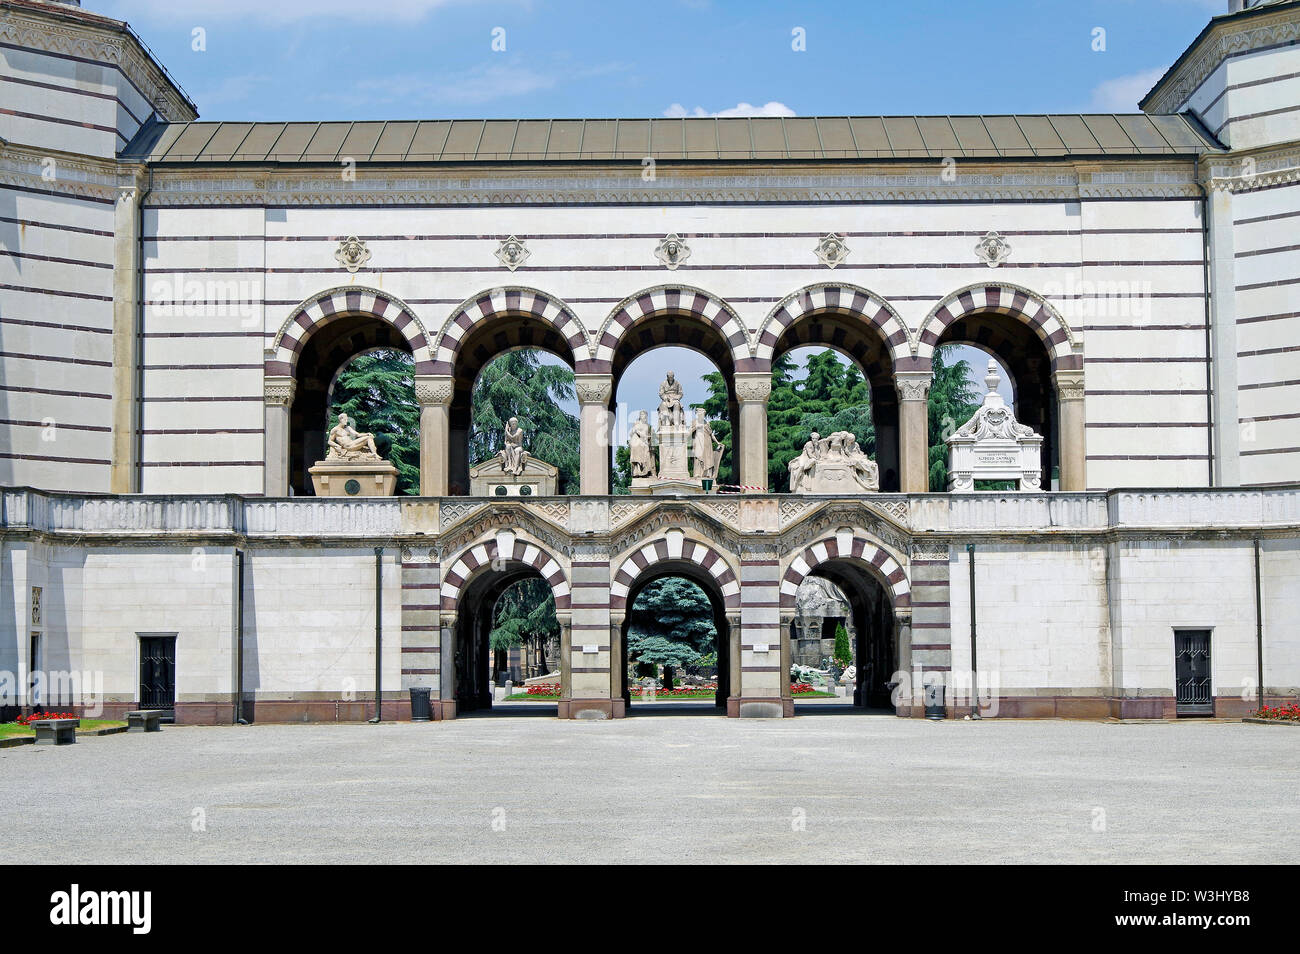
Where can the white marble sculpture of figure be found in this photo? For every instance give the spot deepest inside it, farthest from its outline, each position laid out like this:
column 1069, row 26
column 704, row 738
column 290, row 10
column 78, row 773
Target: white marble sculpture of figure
column 512, row 454
column 671, row 412
column 705, row 447
column 994, row 420
column 863, row 466
column 802, row 464
column 640, row 456
column 346, row 443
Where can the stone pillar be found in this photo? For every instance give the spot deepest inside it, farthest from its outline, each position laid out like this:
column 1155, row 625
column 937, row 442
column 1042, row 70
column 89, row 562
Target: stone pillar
column 1071, row 431
column 1223, row 335
column 914, row 430
column 124, row 471
column 749, row 447
column 277, row 392
column 910, row 692
column 596, row 435
column 566, row 658
column 434, row 392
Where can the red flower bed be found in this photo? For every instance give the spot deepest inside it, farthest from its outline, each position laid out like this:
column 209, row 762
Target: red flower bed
column 802, row 688
column 543, row 689
column 1289, row 713
column 707, row 689
column 37, row 716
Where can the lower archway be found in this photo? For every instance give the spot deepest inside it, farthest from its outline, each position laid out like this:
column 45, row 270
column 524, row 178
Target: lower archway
column 676, row 643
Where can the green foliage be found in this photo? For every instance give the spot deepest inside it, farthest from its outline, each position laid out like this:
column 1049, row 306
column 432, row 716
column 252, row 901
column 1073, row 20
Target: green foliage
column 622, row 478
column 833, row 396
column 670, row 623
column 843, row 653
column 525, row 612
column 376, row 390
column 517, row 384
column 952, row 402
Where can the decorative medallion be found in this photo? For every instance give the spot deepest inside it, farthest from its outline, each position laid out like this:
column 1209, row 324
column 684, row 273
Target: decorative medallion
column 672, row 250
column 831, row 250
column 512, row 252
column 352, row 253
column 993, row 250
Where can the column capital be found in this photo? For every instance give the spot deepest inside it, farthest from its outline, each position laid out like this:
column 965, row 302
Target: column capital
column 278, row 391
column 753, row 386
column 1069, row 384
column 913, row 385
column 594, row 388
column 434, row 390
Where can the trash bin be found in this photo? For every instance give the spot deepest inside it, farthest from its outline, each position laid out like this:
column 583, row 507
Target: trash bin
column 935, row 695
column 421, row 707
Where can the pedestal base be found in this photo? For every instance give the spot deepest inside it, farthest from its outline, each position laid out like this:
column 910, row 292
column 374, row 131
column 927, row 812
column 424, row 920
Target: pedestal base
column 659, row 485
column 353, row 478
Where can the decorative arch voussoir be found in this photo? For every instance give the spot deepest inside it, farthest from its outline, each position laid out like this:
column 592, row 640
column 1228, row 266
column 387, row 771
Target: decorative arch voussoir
column 674, row 547
column 854, row 546
column 327, row 306
column 1026, row 306
column 672, row 299
column 462, row 567
column 833, row 298
column 514, row 301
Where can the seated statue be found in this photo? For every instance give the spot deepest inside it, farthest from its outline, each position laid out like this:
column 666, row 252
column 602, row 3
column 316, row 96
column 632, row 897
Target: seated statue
column 671, row 412
column 512, row 454
column 834, row 464
column 346, row 443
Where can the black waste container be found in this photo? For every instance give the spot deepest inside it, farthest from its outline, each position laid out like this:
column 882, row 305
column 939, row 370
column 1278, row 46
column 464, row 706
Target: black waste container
column 935, row 694
column 421, row 708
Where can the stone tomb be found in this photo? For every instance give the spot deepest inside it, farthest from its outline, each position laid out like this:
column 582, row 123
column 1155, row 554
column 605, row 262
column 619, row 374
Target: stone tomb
column 993, row 446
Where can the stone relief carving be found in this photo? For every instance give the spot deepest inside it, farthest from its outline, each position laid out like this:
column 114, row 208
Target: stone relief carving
column 672, row 250
column 834, row 464
column 453, row 513
column 352, row 253
column 280, row 393
column 434, row 393
column 594, row 389
column 993, row 249
column 512, row 252
column 753, row 387
column 831, row 250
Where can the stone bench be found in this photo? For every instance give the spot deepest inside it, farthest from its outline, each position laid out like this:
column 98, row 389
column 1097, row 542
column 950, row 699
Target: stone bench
column 144, row 720
column 55, row 731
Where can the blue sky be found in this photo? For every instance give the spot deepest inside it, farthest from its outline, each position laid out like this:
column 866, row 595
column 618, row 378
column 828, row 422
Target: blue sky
column 410, row 59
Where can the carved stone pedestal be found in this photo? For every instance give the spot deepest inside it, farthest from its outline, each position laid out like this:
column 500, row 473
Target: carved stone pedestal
column 658, row 485
column 539, row 479
column 353, row 478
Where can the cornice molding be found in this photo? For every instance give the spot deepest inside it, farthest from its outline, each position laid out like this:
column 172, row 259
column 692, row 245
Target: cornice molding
column 72, row 176
column 1165, row 179
column 86, row 40
column 1225, row 40
column 1245, row 171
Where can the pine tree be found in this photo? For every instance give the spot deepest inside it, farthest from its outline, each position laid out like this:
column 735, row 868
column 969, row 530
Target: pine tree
column 952, row 402
column 670, row 625
column 524, row 613
column 376, row 390
column 518, row 384
column 843, row 652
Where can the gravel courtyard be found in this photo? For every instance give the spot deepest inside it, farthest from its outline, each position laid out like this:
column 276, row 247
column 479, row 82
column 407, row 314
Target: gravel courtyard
column 822, row 788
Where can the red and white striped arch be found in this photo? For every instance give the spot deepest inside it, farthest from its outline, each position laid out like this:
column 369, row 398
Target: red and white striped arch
column 505, row 547
column 327, row 306
column 1002, row 299
column 672, row 300
column 847, row 544
column 508, row 302
column 832, row 298
column 675, row 547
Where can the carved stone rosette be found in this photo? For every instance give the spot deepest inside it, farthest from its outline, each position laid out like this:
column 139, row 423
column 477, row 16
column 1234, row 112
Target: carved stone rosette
column 672, row 250
column 993, row 249
column 831, row 250
column 352, row 253
column 512, row 252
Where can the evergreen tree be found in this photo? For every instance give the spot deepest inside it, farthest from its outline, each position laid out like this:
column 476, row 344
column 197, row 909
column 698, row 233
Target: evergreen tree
column 525, row 613
column 670, row 625
column 518, row 384
column 376, row 390
column 952, row 402
column 843, row 652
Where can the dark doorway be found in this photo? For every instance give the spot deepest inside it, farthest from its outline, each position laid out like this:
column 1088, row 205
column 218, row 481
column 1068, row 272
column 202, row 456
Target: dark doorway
column 875, row 649
column 1192, row 672
column 158, row 674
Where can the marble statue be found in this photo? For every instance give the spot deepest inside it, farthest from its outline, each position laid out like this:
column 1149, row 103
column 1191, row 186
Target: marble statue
column 993, row 445
column 346, row 443
column 512, row 453
column 641, row 457
column 833, row 465
column 706, row 449
column 671, row 412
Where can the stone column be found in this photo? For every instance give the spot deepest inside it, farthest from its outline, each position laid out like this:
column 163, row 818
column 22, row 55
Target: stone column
column 1223, row 331
column 434, row 392
column 749, row 447
column 914, row 430
column 566, row 658
column 1071, row 432
column 124, row 472
column 617, row 668
column 277, row 392
column 596, row 435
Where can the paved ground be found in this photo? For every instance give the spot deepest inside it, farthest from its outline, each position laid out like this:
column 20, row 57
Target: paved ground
column 826, row 787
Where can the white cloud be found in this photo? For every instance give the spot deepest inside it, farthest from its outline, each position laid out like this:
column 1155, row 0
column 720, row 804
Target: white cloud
column 279, row 11
column 1121, row 95
column 678, row 111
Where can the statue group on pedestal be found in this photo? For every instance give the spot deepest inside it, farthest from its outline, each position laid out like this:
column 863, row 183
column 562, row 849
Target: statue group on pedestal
column 671, row 440
column 834, row 464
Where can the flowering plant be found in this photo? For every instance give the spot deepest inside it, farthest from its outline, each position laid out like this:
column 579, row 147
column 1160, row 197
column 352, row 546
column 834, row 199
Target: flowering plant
column 1289, row 713
column 801, row 688
column 37, row 716
column 543, row 689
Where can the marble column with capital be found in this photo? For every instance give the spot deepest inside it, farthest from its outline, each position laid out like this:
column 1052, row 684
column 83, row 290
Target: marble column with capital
column 914, row 429
column 749, row 447
column 1073, row 452
column 596, row 431
column 434, row 393
column 277, row 394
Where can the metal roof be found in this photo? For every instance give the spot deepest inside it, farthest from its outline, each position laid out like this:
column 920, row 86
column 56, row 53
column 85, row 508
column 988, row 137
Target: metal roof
column 689, row 139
